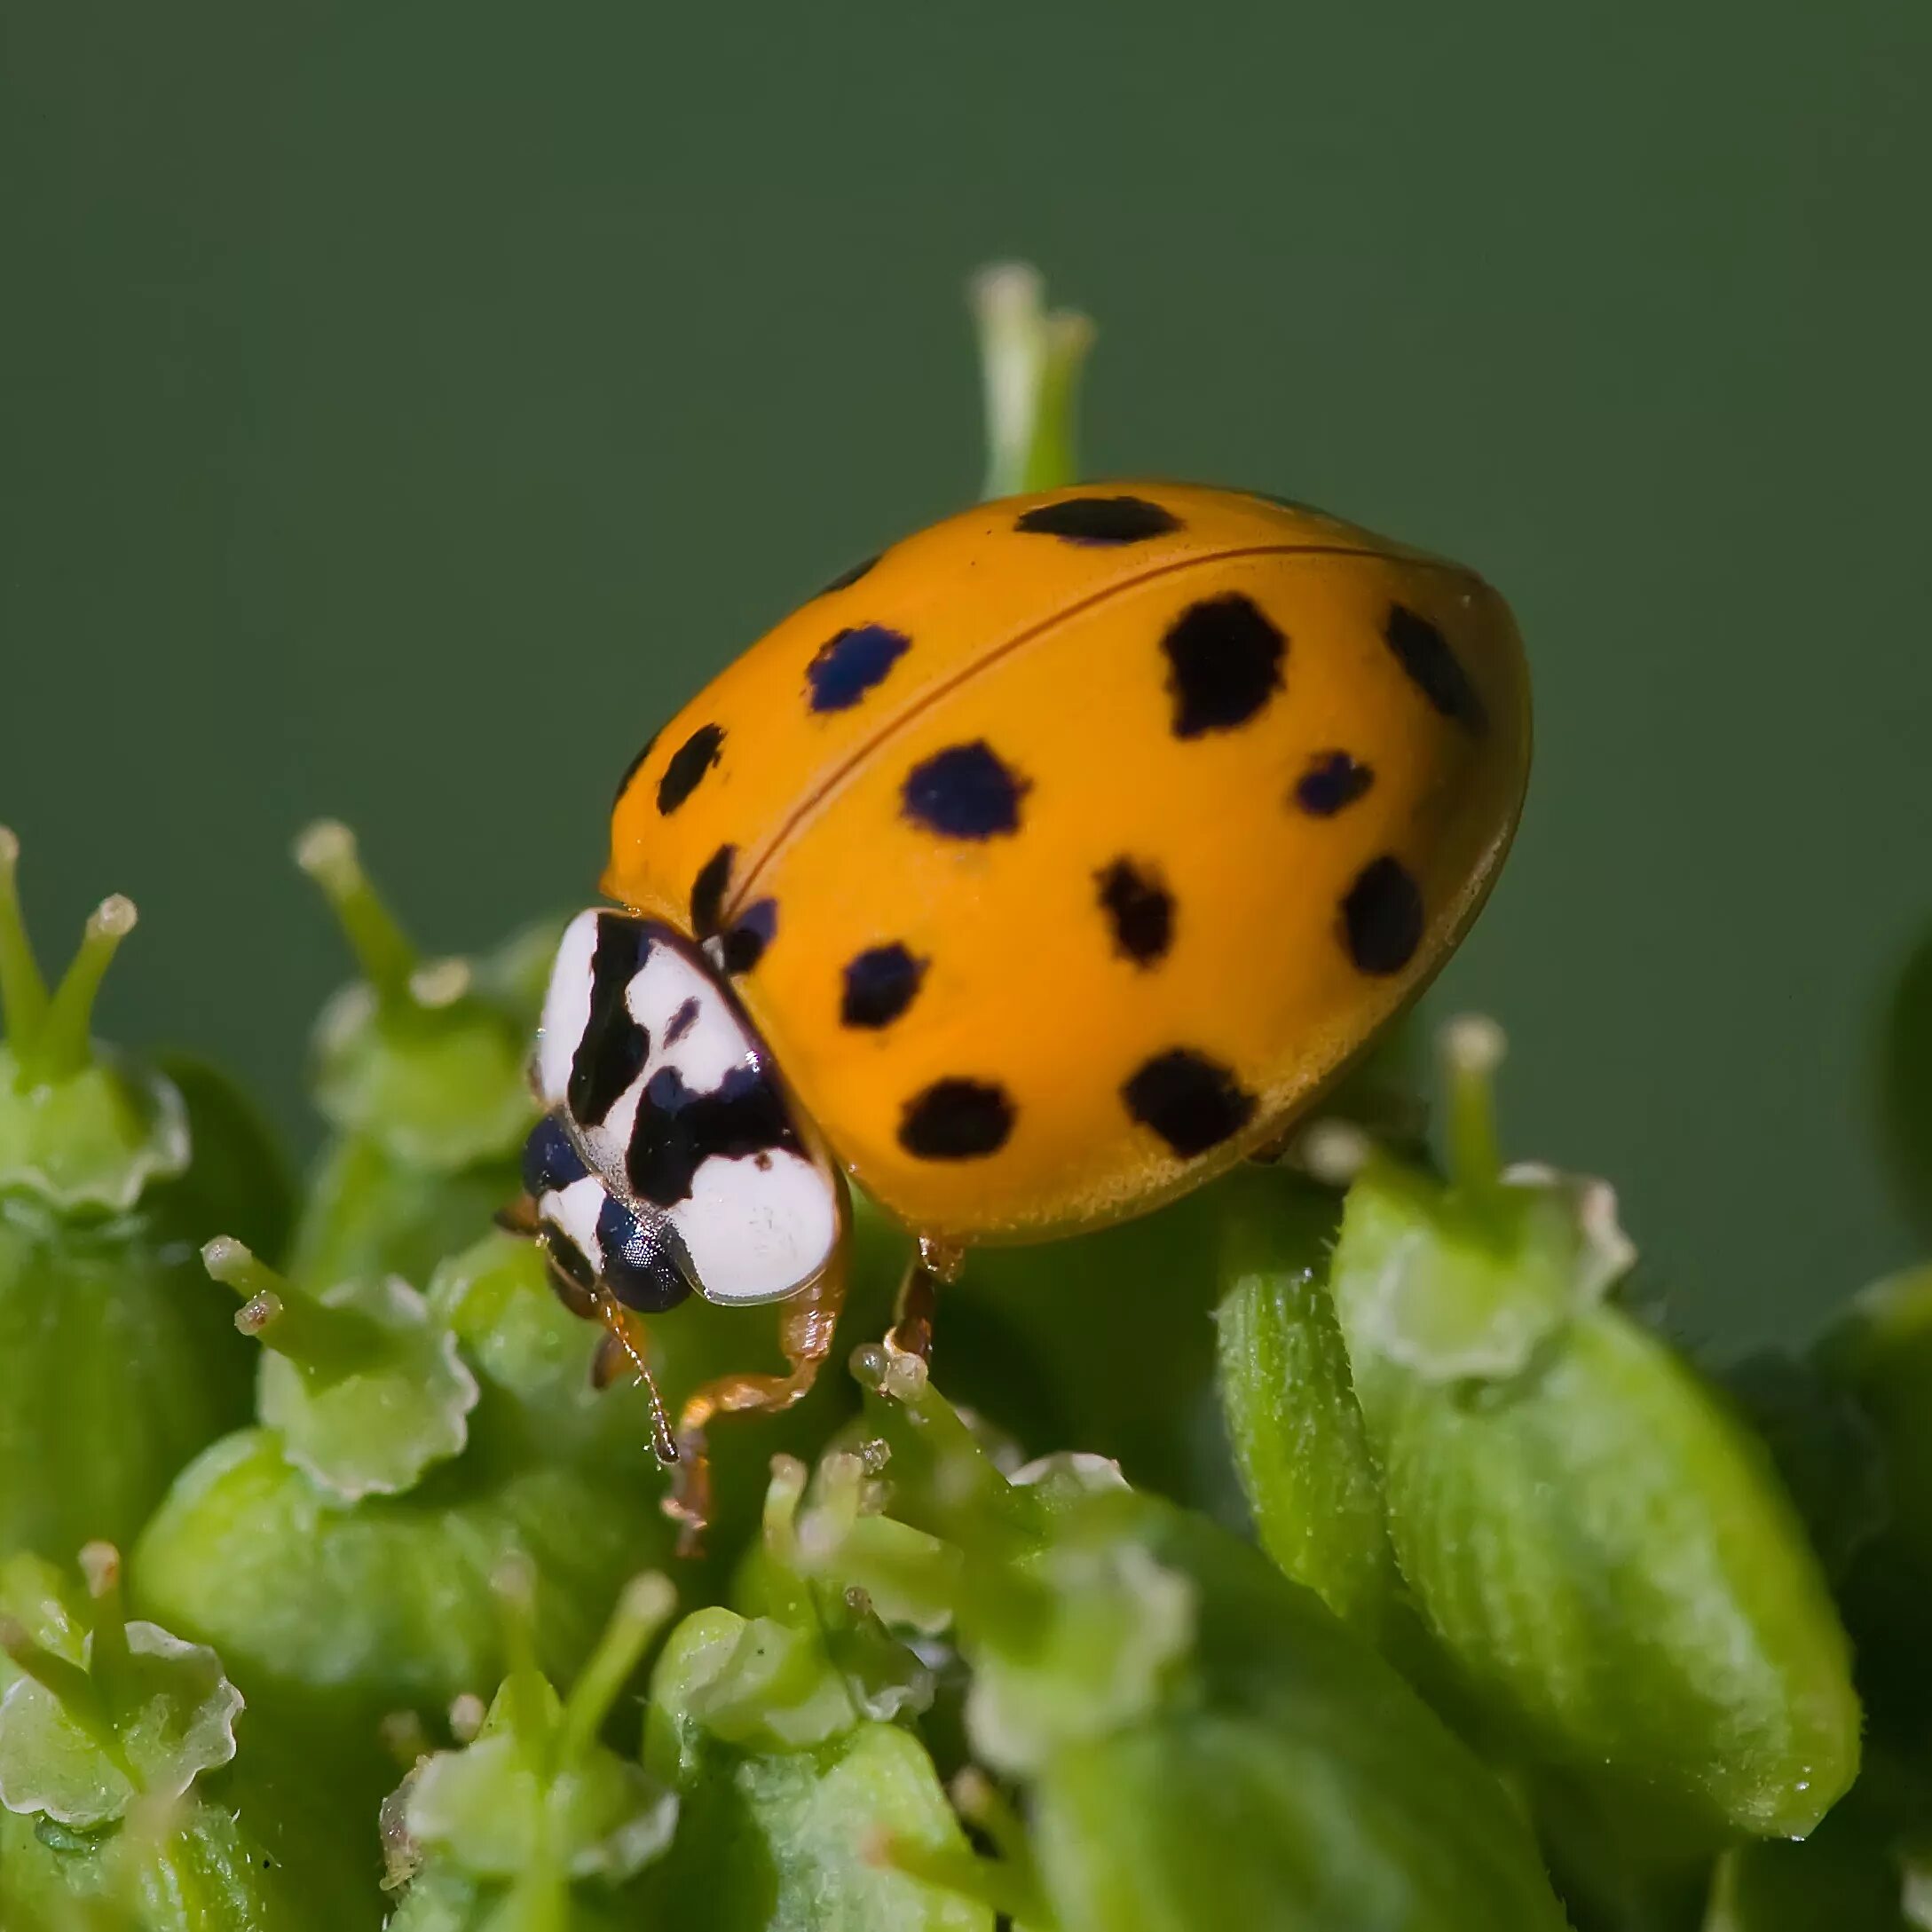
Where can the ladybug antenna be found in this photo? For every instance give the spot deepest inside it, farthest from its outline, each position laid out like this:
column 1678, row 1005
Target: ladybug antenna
column 326, row 852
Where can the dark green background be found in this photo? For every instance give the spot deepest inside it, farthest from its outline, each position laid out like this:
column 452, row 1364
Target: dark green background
column 403, row 406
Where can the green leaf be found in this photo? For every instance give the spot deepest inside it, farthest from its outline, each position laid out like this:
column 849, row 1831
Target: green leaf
column 1299, row 1441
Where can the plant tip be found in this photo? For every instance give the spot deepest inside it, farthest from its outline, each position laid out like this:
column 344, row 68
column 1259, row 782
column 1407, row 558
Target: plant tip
column 1473, row 1044
column 1335, row 1151
column 100, row 1565
column 114, row 917
column 467, row 1712
column 648, row 1598
column 440, row 984
column 326, row 847
column 10, row 848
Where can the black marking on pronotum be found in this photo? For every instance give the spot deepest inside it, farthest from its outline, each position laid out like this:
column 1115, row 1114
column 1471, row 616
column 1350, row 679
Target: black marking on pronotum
column 708, row 891
column 551, row 1162
column 688, row 763
column 637, row 1269
column 1099, row 520
column 614, row 1047
column 744, row 944
column 678, row 1130
column 1192, row 1102
column 847, row 665
column 1139, row 910
column 1382, row 917
column 682, row 1022
column 879, row 985
column 965, row 792
column 633, row 767
column 1224, row 663
column 1425, row 653
column 1332, row 782
column 957, row 1119
column 845, row 578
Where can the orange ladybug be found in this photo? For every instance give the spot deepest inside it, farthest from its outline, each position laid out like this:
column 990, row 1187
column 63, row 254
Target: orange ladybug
column 1033, row 872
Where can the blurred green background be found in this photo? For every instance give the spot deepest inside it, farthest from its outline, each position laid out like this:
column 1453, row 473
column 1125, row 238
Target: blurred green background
column 404, row 406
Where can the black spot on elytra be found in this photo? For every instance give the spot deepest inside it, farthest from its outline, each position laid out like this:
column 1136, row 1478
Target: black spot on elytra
column 688, row 763
column 633, row 768
column 965, row 792
column 1332, row 782
column 708, row 891
column 846, row 666
column 744, row 944
column 1425, row 653
column 678, row 1130
column 879, row 985
column 637, row 1269
column 1382, row 917
column 551, row 1160
column 1100, row 519
column 845, row 578
column 1224, row 663
column 612, row 1050
column 1138, row 908
column 957, row 1119
column 1193, row 1103
column 682, row 1022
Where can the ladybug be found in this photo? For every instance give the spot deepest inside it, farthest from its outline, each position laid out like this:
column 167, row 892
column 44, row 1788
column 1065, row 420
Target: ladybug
column 1033, row 872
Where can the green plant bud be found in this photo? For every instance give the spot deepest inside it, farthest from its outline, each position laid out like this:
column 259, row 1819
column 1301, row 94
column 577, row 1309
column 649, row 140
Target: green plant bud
column 344, row 1613
column 117, row 1363
column 781, row 1730
column 1201, row 1741
column 534, row 1809
column 101, row 1713
column 421, row 1069
column 1588, row 1529
column 1299, row 1442
column 366, row 1388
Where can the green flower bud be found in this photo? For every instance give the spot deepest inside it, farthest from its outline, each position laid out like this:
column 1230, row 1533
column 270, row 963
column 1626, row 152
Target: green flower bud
column 784, row 1732
column 534, row 1808
column 1200, row 1741
column 1299, row 1441
column 421, row 1069
column 365, row 1388
column 108, row 1731
column 116, row 1363
column 1599, row 1543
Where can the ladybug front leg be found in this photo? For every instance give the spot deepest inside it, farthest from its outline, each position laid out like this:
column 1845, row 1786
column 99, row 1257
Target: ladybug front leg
column 805, row 1333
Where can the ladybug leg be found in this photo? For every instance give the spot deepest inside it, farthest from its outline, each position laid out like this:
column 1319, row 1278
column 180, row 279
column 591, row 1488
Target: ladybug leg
column 936, row 1265
column 805, row 1333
